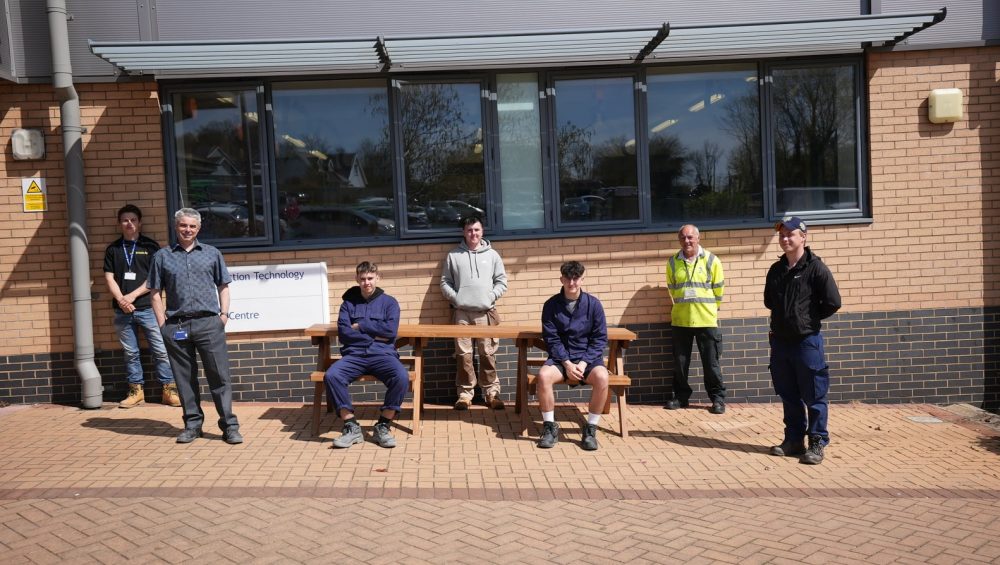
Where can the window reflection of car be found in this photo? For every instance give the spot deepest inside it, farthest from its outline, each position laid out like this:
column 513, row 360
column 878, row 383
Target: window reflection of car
column 415, row 218
column 583, row 207
column 465, row 209
column 332, row 221
column 439, row 212
column 226, row 220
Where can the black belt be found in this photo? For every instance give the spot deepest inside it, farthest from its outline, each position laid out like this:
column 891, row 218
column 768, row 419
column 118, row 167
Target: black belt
column 185, row 317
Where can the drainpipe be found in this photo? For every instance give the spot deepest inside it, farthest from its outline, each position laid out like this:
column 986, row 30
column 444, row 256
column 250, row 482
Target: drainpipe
column 76, row 202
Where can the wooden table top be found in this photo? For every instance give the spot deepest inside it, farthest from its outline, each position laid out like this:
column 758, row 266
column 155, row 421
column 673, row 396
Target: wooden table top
column 455, row 330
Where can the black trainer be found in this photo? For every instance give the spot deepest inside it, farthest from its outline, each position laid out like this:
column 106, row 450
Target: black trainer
column 232, row 436
column 550, row 435
column 813, row 455
column 589, row 441
column 718, row 407
column 788, row 449
column 189, row 435
column 674, row 404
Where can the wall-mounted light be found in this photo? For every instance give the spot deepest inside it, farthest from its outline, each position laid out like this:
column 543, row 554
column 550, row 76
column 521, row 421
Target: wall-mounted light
column 28, row 144
column 944, row 105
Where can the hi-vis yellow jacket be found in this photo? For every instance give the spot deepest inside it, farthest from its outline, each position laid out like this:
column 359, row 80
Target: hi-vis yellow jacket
column 696, row 290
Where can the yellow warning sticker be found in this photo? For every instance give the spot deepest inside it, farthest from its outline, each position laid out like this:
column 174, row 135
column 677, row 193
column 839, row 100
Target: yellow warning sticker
column 34, row 194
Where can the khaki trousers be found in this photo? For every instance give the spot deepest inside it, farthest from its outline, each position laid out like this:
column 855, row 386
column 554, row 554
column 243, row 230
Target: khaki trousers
column 465, row 380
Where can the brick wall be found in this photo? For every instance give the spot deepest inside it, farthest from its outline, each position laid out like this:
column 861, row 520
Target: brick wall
column 933, row 245
column 935, row 356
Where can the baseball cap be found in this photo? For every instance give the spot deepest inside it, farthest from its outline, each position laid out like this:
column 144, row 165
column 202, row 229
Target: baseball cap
column 793, row 223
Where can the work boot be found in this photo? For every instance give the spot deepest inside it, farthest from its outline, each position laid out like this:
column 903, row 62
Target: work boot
column 170, row 396
column 135, row 397
column 462, row 404
column 718, row 407
column 382, row 435
column 813, row 455
column 589, row 441
column 351, row 435
column 550, row 435
column 494, row 402
column 789, row 448
column 675, row 404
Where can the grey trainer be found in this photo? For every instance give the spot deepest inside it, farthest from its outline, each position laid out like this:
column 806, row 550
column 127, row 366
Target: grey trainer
column 589, row 441
column 352, row 434
column 382, row 435
column 550, row 435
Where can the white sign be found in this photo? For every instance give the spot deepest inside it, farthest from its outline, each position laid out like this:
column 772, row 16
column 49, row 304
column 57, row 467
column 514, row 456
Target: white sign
column 34, row 195
column 278, row 297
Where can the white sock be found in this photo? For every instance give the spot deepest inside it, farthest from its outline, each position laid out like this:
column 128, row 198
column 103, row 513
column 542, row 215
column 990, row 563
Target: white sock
column 549, row 416
column 593, row 419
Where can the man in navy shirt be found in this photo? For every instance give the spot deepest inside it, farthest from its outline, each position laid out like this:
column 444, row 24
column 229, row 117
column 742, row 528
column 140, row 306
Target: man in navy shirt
column 126, row 267
column 575, row 333
column 193, row 323
column 367, row 326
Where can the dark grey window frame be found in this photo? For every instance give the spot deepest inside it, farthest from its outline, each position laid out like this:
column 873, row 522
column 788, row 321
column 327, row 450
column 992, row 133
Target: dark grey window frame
column 487, row 80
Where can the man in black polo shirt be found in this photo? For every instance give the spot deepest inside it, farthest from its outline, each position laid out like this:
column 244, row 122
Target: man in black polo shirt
column 126, row 266
column 193, row 321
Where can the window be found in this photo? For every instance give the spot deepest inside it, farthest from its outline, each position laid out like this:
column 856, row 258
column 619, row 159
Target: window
column 816, row 138
column 518, row 116
column 332, row 160
column 704, row 143
column 442, row 150
column 596, row 149
column 349, row 160
column 217, row 161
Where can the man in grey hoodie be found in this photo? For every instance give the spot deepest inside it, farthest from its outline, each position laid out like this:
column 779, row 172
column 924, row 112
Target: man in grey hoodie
column 472, row 280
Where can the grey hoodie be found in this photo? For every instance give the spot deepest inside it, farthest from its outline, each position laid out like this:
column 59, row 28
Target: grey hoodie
column 473, row 279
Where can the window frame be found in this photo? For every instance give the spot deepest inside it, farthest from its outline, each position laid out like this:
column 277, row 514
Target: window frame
column 546, row 79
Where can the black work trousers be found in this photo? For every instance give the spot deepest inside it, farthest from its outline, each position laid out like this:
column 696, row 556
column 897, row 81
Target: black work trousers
column 709, row 342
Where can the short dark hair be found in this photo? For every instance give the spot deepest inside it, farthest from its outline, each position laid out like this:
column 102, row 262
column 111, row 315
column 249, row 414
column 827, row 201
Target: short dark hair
column 572, row 269
column 471, row 219
column 365, row 267
column 129, row 209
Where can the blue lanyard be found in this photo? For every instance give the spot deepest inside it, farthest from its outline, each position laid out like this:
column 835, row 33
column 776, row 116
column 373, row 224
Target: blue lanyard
column 129, row 256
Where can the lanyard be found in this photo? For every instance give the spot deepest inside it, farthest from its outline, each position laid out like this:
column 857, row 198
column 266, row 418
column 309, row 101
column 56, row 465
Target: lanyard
column 129, row 256
column 687, row 268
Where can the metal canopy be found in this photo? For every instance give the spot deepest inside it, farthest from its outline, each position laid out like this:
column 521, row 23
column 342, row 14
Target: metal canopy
column 663, row 42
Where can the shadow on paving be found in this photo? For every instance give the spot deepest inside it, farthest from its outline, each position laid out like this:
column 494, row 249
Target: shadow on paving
column 687, row 440
column 991, row 444
column 134, row 426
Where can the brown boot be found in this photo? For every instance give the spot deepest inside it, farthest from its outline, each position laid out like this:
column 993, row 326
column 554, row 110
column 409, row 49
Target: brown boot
column 135, row 397
column 170, row 396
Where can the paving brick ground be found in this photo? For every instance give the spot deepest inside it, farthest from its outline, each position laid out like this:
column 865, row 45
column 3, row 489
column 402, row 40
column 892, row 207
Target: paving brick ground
column 901, row 484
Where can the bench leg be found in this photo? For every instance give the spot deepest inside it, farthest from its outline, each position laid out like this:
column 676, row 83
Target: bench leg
column 418, row 405
column 317, row 403
column 622, row 412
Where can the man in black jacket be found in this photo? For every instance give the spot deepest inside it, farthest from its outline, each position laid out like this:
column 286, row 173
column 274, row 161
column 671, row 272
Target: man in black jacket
column 800, row 292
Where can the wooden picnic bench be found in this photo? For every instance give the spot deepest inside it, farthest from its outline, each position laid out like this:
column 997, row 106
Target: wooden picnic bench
column 418, row 335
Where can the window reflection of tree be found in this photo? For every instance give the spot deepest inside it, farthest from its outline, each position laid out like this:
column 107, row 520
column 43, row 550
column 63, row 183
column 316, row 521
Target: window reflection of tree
column 711, row 182
column 442, row 148
column 812, row 122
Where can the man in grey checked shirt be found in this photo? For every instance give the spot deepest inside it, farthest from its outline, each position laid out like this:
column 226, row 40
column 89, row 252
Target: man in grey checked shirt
column 193, row 321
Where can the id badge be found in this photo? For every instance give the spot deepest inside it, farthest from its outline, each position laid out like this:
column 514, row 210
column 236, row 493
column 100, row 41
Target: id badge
column 690, row 293
column 180, row 334
column 130, row 276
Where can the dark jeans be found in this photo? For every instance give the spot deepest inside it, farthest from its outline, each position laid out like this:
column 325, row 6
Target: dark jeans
column 206, row 339
column 801, row 378
column 709, row 349
column 386, row 368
